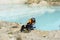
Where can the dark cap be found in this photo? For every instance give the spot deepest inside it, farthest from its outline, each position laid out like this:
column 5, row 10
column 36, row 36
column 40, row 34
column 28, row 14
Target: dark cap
column 33, row 19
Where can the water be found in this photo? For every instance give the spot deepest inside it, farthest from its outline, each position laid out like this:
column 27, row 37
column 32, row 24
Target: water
column 47, row 18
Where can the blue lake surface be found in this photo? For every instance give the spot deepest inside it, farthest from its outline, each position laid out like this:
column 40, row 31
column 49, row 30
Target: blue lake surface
column 47, row 18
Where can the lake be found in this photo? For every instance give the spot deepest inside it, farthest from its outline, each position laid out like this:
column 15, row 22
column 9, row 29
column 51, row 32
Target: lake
column 47, row 18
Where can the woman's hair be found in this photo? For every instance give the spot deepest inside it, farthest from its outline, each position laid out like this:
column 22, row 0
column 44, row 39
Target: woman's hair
column 32, row 20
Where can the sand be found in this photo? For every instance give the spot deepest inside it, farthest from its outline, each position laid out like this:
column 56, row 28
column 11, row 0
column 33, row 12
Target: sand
column 11, row 31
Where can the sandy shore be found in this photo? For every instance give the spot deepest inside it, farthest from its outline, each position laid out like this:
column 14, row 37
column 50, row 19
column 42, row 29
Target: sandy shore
column 11, row 31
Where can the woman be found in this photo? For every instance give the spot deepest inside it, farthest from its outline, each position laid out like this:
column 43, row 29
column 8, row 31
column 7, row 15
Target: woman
column 29, row 25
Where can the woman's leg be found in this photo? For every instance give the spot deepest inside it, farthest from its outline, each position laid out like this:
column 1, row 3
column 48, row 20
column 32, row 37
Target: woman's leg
column 22, row 28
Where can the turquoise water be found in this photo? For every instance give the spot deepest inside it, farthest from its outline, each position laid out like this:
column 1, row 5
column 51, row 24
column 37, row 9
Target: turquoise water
column 47, row 18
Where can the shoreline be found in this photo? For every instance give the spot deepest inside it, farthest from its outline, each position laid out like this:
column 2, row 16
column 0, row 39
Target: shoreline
column 7, row 32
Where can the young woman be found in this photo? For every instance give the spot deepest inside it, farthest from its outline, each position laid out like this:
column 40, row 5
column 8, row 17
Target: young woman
column 29, row 25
